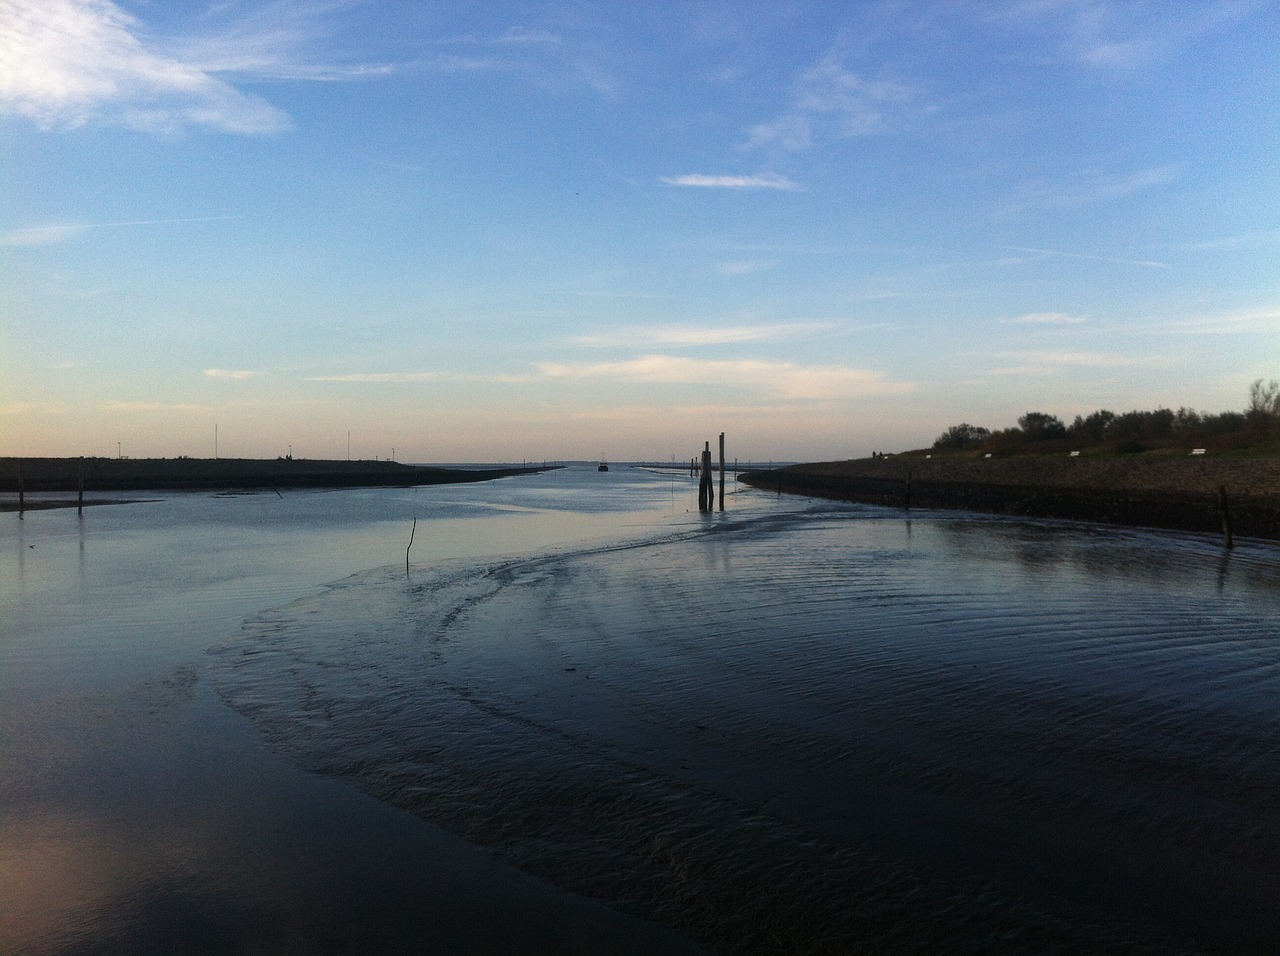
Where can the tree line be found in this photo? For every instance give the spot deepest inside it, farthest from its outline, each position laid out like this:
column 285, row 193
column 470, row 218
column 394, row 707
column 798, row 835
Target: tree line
column 1257, row 426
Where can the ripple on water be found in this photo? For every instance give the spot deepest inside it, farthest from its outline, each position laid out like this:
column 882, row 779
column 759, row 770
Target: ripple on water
column 824, row 732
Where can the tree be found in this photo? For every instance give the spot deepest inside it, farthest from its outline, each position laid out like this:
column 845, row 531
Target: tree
column 1037, row 426
column 962, row 436
column 1263, row 413
column 1093, row 428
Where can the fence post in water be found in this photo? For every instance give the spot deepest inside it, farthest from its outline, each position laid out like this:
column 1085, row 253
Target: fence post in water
column 1226, row 517
column 722, row 471
column 21, row 497
column 80, row 486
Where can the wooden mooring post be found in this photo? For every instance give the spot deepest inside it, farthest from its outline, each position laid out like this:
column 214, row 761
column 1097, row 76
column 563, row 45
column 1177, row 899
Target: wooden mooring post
column 706, row 490
column 80, row 488
column 21, row 495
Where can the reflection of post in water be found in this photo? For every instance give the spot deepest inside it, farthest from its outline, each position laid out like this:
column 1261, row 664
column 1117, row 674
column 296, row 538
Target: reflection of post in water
column 1226, row 516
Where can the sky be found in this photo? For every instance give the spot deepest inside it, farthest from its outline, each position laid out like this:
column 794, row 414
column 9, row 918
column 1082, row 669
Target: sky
column 546, row 231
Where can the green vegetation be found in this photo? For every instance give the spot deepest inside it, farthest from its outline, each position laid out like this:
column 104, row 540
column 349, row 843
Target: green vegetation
column 1255, row 430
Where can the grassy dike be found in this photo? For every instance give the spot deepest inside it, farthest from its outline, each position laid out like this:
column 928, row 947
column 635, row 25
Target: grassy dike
column 1178, row 493
column 227, row 474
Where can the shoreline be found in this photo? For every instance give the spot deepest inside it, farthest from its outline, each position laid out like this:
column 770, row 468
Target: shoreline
column 1174, row 494
column 19, row 476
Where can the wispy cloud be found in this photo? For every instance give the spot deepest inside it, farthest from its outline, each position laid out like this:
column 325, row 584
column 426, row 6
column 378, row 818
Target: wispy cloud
column 67, row 63
column 377, row 377
column 744, row 267
column 152, row 407
column 788, row 380
column 1120, row 36
column 761, row 181
column 1047, row 363
column 1085, row 189
column 832, row 100
column 657, row 336
column 1059, row 254
column 1047, row 318
column 50, row 234
column 1264, row 320
column 228, row 373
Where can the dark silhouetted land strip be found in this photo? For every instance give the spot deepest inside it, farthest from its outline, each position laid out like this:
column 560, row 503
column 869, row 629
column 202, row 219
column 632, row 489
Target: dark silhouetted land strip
column 226, row 474
column 1175, row 493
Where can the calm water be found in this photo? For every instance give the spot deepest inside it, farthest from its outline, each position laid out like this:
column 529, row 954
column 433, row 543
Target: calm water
column 793, row 727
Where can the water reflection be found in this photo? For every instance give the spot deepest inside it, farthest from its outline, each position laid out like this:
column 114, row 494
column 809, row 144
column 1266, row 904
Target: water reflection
column 934, row 738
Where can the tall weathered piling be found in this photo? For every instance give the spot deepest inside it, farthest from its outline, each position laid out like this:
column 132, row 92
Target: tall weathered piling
column 80, row 488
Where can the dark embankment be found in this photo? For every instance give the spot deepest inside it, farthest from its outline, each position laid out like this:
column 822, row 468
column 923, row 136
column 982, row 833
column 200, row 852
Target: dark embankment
column 1180, row 494
column 142, row 474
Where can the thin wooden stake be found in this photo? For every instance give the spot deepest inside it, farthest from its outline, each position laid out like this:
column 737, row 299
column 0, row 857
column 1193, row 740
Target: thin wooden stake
column 722, row 471
column 412, row 531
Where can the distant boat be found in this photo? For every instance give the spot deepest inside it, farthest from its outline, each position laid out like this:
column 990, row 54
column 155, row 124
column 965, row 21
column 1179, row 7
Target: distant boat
column 603, row 466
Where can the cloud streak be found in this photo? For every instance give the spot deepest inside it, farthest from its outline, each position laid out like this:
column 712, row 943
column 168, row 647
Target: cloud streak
column 788, row 380
column 652, row 336
column 51, row 234
column 1059, row 254
column 704, row 181
column 228, row 373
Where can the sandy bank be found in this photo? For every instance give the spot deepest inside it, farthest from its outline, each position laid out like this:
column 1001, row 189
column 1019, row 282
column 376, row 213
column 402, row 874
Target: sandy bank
column 1174, row 493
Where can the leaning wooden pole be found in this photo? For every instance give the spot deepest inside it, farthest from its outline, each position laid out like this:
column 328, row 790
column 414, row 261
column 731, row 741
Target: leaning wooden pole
column 722, row 471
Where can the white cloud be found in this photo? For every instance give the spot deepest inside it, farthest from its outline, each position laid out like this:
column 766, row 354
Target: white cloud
column 648, row 336
column 762, row 181
column 227, row 373
column 788, row 380
column 64, row 63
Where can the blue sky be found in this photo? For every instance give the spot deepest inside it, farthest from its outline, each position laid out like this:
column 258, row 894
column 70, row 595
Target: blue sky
column 510, row 231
